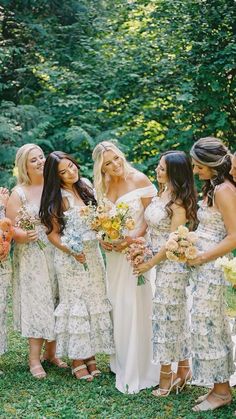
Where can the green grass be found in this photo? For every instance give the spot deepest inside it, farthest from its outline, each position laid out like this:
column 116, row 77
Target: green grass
column 62, row 396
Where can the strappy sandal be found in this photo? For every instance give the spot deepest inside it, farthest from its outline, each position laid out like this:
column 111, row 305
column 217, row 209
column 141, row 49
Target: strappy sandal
column 96, row 372
column 87, row 377
column 205, row 405
column 164, row 392
column 187, row 378
column 38, row 372
column 203, row 397
column 55, row 361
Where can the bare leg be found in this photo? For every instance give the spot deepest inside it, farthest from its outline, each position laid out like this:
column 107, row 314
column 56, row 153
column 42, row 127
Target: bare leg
column 184, row 373
column 168, row 381
column 49, row 355
column 35, row 347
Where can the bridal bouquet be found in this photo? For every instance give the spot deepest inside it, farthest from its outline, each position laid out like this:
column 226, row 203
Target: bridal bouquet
column 111, row 222
column 76, row 232
column 26, row 222
column 6, row 234
column 180, row 245
column 137, row 253
column 229, row 268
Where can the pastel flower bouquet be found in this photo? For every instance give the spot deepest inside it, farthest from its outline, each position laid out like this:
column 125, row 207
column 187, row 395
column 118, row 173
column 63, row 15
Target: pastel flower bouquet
column 180, row 245
column 111, row 222
column 6, row 234
column 27, row 222
column 76, row 232
column 137, row 253
column 229, row 268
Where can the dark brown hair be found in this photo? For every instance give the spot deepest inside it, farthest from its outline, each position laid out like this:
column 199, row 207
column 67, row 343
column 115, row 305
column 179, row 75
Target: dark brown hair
column 51, row 206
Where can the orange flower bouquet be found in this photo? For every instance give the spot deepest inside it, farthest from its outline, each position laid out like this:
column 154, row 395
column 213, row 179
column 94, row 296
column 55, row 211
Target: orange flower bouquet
column 180, row 245
column 6, row 234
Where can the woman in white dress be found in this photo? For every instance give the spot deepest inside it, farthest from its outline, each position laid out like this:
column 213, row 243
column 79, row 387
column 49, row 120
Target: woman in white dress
column 5, row 276
column 34, row 279
column 83, row 322
column 116, row 180
column 175, row 205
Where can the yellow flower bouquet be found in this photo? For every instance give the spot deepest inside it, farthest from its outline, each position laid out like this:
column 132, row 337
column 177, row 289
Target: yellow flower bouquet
column 229, row 268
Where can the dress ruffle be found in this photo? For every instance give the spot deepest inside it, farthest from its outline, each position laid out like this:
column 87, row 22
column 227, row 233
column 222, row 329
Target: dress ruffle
column 82, row 331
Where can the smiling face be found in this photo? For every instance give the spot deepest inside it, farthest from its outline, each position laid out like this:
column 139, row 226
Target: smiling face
column 112, row 164
column 161, row 172
column 68, row 172
column 203, row 172
column 35, row 162
column 233, row 167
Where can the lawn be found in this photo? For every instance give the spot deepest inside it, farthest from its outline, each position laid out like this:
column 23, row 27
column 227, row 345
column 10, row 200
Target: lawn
column 62, row 396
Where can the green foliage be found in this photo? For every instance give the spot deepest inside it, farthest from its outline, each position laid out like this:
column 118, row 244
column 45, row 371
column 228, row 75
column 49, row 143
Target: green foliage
column 153, row 74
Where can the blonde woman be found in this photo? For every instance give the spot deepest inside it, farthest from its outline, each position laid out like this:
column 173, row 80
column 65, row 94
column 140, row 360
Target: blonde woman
column 34, row 280
column 118, row 181
column 5, row 274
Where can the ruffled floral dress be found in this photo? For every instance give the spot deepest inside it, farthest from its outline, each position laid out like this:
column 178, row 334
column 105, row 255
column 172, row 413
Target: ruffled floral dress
column 83, row 322
column 211, row 336
column 170, row 318
column 35, row 291
column 5, row 277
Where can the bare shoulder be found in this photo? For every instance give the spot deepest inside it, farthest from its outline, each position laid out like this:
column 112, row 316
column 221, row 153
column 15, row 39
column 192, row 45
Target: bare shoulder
column 178, row 208
column 225, row 194
column 140, row 180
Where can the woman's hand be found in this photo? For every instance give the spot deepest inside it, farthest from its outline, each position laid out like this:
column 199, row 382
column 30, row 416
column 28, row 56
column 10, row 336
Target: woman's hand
column 80, row 257
column 31, row 236
column 143, row 267
column 4, row 196
column 108, row 247
column 199, row 260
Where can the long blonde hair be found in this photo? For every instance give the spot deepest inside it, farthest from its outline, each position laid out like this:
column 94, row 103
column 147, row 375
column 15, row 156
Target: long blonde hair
column 99, row 176
column 21, row 163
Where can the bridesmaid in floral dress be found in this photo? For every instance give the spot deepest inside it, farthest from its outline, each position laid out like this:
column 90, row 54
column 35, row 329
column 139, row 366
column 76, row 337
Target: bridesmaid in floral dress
column 83, row 323
column 34, row 279
column 174, row 205
column 211, row 337
column 5, row 276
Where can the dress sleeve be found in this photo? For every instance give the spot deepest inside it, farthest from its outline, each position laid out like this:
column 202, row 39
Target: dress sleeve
column 147, row 192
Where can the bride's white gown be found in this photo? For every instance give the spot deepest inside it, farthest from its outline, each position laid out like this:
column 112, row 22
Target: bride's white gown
column 132, row 309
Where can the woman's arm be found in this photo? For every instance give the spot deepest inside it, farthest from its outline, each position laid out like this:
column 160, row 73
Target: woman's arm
column 178, row 218
column 13, row 206
column 225, row 200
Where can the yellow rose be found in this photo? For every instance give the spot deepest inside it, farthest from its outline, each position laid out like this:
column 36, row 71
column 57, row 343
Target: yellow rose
column 116, row 225
column 113, row 234
column 107, row 225
column 95, row 224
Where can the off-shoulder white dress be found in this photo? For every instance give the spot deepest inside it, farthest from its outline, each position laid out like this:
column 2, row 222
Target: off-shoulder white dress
column 132, row 309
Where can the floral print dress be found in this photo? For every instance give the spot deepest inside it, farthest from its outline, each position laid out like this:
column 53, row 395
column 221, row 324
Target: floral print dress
column 5, row 277
column 34, row 282
column 170, row 318
column 211, row 336
column 83, row 322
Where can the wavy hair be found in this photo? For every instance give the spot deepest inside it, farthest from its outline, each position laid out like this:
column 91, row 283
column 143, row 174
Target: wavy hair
column 51, row 207
column 211, row 152
column 99, row 176
column 21, row 163
column 180, row 175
